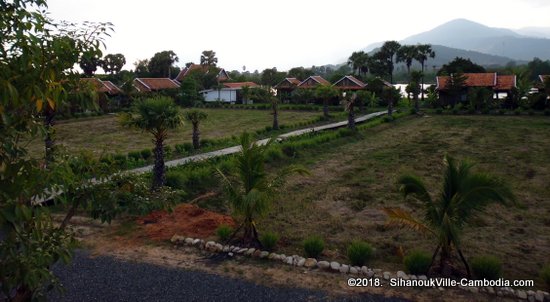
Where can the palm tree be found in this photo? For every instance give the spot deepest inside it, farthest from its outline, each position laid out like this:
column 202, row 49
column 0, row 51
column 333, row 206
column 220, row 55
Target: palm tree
column 423, row 52
column 358, row 61
column 326, row 93
column 195, row 117
column 275, row 112
column 251, row 191
column 350, row 98
column 414, row 87
column 389, row 50
column 463, row 194
column 155, row 115
column 407, row 53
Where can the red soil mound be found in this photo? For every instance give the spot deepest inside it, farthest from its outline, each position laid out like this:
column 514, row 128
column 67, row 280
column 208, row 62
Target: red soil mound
column 186, row 220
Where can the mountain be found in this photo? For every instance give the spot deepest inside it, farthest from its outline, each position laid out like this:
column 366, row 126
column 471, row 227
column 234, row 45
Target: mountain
column 468, row 35
column 535, row 32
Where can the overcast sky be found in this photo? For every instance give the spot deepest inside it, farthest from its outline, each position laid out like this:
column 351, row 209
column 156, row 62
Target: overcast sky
column 284, row 33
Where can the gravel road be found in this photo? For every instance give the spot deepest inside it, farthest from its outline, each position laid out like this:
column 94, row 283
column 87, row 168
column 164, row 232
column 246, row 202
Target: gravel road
column 109, row 279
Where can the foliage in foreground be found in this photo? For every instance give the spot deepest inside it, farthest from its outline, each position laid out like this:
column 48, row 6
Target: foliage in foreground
column 359, row 253
column 314, row 246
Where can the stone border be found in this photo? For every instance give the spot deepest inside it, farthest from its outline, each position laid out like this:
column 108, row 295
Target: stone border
column 333, row 266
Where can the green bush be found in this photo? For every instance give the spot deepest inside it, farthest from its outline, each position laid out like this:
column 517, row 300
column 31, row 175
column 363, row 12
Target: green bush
column 146, row 153
column 176, row 179
column 273, row 154
column 224, row 231
column 545, row 275
column 167, row 151
column 314, row 246
column 417, row 262
column 135, row 155
column 184, row 148
column 486, row 267
column 439, row 111
column 290, row 149
column 269, row 240
column 359, row 252
column 517, row 111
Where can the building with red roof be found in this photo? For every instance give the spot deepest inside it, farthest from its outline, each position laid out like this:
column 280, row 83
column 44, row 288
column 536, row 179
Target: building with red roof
column 154, row 84
column 221, row 75
column 349, row 83
column 312, row 82
column 496, row 83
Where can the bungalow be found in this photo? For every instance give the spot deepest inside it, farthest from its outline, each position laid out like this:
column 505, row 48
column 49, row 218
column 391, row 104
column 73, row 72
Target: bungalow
column 154, row 84
column 312, row 82
column 349, row 83
column 285, row 87
column 222, row 75
column 102, row 86
column 230, row 93
column 496, row 83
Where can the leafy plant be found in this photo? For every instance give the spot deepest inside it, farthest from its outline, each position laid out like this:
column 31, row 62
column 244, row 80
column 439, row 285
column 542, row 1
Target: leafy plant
column 487, row 267
column 359, row 252
column 146, row 153
column 545, row 275
column 269, row 240
column 135, row 155
column 417, row 262
column 463, row 194
column 223, row 232
column 314, row 246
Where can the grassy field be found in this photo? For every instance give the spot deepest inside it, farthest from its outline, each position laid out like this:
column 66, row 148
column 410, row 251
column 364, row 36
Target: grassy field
column 354, row 177
column 104, row 134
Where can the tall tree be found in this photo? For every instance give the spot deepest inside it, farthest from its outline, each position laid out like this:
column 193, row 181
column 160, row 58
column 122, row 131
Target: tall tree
column 196, row 117
column 141, row 68
column 113, row 63
column 460, row 65
column 358, row 61
column 155, row 115
column 326, row 93
column 424, row 51
column 300, row 73
column 36, row 69
column 378, row 64
column 406, row 54
column 414, row 88
column 90, row 61
column 463, row 194
column 161, row 63
column 389, row 50
column 270, row 76
column 208, row 58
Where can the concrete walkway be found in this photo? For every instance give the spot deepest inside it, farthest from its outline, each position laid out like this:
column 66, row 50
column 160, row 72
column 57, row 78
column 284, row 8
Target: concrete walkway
column 236, row 149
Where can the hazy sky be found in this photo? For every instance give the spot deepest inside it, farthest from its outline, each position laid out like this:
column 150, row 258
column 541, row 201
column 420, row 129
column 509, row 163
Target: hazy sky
column 284, row 33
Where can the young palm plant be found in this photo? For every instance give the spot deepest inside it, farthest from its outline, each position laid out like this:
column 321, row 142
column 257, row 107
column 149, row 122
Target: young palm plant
column 155, row 115
column 196, row 117
column 463, row 195
column 350, row 99
column 252, row 190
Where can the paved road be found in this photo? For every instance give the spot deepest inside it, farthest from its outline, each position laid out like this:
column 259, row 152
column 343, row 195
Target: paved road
column 235, row 149
column 109, row 279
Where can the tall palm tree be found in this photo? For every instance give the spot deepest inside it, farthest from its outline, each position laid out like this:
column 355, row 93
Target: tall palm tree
column 423, row 52
column 195, row 117
column 155, row 115
column 414, row 87
column 464, row 194
column 251, row 191
column 406, row 53
column 326, row 93
column 358, row 61
column 389, row 50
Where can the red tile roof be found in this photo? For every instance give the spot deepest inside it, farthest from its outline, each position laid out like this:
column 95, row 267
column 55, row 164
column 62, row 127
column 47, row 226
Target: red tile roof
column 313, row 81
column 240, row 85
column 288, row 83
column 491, row 80
column 96, row 83
column 543, row 77
column 153, row 84
column 221, row 76
column 349, row 83
column 505, row 82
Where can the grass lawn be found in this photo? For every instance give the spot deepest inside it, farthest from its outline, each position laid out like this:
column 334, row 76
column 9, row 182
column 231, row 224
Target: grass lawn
column 104, row 134
column 352, row 178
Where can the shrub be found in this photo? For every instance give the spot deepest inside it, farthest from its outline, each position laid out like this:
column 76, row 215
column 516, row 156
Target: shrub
column 387, row 119
column 501, row 112
column 290, row 149
column 545, row 275
column 269, row 240
column 135, row 155
column 517, row 111
column 455, row 111
column 485, row 111
column 314, row 246
column 206, row 142
column 486, row 267
column 359, row 252
column 184, row 148
column 439, row 111
column 417, row 262
column 146, row 153
column 224, row 231
column 120, row 160
column 273, row 154
column 167, row 151
column 175, row 179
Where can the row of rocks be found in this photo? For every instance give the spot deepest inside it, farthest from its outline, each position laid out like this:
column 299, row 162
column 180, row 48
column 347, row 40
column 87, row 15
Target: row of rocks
column 384, row 276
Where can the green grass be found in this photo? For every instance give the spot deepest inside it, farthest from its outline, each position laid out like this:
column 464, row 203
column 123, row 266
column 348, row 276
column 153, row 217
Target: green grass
column 104, row 133
column 363, row 169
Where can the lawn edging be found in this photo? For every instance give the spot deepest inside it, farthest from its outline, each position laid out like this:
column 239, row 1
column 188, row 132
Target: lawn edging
column 378, row 276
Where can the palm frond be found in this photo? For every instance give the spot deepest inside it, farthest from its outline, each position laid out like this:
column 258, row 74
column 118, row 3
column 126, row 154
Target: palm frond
column 402, row 218
column 412, row 185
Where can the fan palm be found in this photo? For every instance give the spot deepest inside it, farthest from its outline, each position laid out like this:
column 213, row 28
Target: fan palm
column 423, row 52
column 252, row 190
column 155, row 115
column 196, row 117
column 326, row 93
column 463, row 195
